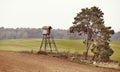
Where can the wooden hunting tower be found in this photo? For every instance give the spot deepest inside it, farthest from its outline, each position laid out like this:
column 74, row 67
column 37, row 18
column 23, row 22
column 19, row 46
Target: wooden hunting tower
column 48, row 43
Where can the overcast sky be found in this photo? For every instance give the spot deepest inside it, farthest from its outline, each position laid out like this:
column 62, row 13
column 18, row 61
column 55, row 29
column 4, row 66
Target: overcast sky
column 56, row 13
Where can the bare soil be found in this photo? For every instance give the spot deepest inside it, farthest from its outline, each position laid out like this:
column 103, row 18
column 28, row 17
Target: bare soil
column 26, row 62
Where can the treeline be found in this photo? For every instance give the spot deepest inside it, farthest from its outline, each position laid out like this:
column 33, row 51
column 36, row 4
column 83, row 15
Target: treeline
column 21, row 33
column 116, row 37
column 10, row 33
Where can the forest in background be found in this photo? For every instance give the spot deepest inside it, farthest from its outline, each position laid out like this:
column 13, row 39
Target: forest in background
column 21, row 33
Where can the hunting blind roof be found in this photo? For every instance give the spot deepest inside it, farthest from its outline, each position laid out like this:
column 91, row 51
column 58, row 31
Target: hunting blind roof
column 47, row 27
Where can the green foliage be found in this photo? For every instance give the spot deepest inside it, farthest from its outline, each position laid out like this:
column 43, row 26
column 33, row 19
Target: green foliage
column 91, row 23
column 102, row 51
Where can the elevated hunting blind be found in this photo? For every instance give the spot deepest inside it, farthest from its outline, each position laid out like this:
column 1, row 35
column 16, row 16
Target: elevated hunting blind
column 46, row 30
column 48, row 43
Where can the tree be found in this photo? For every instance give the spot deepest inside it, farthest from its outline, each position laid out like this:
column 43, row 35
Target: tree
column 90, row 22
column 100, row 47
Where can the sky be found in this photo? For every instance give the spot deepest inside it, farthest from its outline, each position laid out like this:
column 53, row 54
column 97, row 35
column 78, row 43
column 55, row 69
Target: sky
column 56, row 13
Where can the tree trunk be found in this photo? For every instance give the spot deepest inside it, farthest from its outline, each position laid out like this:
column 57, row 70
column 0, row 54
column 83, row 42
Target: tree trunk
column 85, row 53
column 87, row 45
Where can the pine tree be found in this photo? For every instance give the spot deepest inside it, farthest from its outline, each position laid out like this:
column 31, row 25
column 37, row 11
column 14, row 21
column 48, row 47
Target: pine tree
column 91, row 23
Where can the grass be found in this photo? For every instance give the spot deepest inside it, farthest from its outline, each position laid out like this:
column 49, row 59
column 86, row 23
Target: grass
column 20, row 44
column 116, row 47
column 70, row 45
column 62, row 45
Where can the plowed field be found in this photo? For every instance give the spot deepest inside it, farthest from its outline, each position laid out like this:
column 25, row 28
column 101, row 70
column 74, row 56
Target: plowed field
column 25, row 62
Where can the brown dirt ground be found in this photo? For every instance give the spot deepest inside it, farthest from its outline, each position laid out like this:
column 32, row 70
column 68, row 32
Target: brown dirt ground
column 25, row 62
